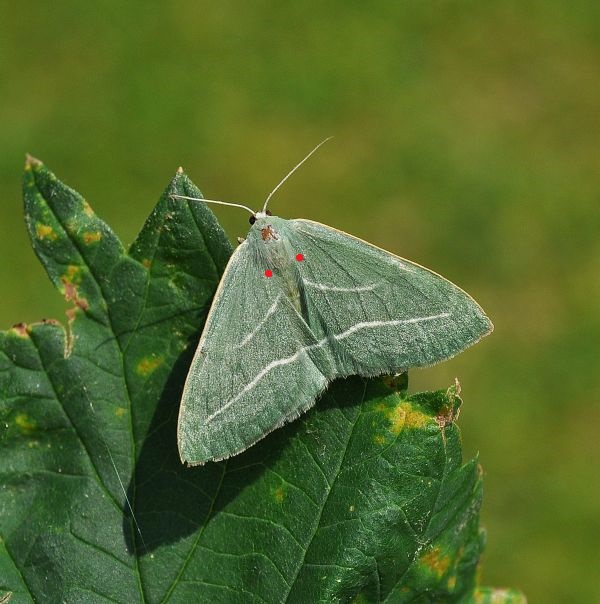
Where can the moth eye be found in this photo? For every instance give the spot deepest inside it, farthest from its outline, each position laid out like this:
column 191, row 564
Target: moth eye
column 269, row 213
column 252, row 219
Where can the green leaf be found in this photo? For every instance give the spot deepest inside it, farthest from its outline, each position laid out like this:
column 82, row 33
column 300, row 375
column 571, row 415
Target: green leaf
column 364, row 499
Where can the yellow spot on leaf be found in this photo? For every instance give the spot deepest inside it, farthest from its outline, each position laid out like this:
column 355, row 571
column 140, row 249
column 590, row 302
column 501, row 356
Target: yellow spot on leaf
column 279, row 494
column 379, row 440
column 404, row 416
column 45, row 231
column 120, row 411
column 92, row 237
column 148, row 364
column 147, row 262
column 72, row 274
column 451, row 582
column 72, row 227
column 87, row 208
column 435, row 561
column 25, row 423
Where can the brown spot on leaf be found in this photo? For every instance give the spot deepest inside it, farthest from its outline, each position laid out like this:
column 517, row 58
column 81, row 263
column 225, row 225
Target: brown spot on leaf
column 71, row 293
column 50, row 322
column 69, row 279
column 436, row 561
column 446, row 416
column 82, row 303
column 147, row 263
column 70, row 290
column 20, row 329
column 450, row 411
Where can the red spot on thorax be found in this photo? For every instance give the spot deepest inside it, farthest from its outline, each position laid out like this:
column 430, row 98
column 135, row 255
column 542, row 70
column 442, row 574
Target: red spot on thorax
column 299, row 257
column 268, row 273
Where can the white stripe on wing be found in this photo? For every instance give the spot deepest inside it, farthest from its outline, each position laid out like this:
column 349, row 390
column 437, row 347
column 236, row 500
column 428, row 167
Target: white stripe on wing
column 287, row 360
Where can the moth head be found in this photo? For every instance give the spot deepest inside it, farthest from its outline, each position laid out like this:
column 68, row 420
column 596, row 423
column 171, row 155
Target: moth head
column 257, row 215
column 266, row 229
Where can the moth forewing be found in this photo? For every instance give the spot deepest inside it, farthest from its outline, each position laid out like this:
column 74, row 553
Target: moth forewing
column 407, row 263
column 429, row 315
column 191, row 410
column 256, row 366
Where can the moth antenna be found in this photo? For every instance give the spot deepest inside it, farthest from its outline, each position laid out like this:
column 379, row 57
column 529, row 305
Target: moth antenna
column 292, row 171
column 114, row 465
column 223, row 203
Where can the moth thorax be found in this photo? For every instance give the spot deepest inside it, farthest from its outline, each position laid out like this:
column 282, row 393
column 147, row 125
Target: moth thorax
column 267, row 233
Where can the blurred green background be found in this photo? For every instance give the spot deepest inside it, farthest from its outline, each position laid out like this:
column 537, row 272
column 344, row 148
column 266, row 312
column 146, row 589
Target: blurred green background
column 466, row 139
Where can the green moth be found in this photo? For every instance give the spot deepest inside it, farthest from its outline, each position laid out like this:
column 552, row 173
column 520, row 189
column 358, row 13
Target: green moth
column 301, row 304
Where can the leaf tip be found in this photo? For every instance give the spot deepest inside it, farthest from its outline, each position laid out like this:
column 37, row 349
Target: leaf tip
column 21, row 330
column 32, row 162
